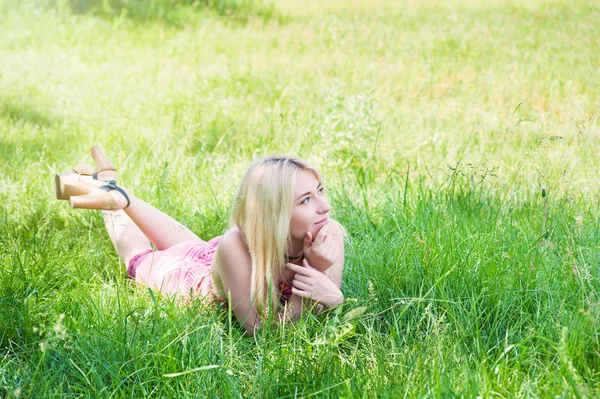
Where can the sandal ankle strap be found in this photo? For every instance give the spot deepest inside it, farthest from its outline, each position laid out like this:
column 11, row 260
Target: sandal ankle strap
column 95, row 175
column 112, row 185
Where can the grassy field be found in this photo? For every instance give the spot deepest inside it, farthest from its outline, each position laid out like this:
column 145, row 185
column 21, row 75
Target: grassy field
column 436, row 126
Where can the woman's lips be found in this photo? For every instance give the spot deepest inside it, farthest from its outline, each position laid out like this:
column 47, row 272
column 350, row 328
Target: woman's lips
column 322, row 221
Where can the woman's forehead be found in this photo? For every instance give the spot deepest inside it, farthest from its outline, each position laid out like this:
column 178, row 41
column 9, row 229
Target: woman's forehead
column 306, row 181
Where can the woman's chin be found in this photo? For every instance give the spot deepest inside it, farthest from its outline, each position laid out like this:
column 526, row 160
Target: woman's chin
column 316, row 229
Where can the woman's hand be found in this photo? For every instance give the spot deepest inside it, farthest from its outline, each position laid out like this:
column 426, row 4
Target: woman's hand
column 322, row 253
column 312, row 284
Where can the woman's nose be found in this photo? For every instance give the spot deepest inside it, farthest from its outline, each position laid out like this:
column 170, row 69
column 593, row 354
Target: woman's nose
column 325, row 207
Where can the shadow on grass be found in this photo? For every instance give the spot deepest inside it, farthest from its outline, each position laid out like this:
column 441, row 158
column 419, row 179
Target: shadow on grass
column 176, row 13
column 31, row 131
column 19, row 110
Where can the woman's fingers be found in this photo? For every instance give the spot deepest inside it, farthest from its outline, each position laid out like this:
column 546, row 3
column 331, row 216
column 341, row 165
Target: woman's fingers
column 326, row 250
column 321, row 234
column 301, row 285
column 300, row 293
column 302, row 277
column 323, row 245
column 306, row 270
column 296, row 268
column 307, row 240
column 333, row 251
column 302, row 271
column 328, row 244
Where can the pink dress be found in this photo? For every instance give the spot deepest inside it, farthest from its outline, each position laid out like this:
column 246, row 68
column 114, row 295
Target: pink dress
column 182, row 269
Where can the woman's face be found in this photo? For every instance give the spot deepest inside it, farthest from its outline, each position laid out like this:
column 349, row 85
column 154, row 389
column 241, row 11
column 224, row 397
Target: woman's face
column 311, row 209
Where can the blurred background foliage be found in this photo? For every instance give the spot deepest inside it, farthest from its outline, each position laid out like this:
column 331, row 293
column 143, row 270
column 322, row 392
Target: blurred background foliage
column 171, row 12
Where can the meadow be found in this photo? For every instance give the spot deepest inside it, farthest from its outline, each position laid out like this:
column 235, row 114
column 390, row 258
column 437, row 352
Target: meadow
column 436, row 126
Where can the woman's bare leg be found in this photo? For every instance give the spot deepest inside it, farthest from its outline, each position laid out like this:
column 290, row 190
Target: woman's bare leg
column 161, row 229
column 127, row 238
column 158, row 227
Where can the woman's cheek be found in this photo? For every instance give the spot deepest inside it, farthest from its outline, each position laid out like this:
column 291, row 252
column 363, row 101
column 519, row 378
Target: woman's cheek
column 299, row 228
column 296, row 233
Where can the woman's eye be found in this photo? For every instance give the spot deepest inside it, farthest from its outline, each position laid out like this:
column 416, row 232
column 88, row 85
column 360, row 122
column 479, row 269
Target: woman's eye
column 305, row 200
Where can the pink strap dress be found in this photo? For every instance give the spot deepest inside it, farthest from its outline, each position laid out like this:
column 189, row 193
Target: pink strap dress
column 183, row 270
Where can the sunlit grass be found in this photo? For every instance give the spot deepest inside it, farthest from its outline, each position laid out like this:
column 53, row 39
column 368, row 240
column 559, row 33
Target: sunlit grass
column 436, row 126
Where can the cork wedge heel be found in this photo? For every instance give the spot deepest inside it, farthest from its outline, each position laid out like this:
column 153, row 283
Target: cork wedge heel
column 83, row 189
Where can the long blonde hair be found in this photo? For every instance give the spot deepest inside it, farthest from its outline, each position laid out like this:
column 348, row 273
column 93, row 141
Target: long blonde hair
column 262, row 211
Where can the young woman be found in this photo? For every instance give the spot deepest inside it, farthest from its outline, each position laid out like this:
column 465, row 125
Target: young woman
column 281, row 253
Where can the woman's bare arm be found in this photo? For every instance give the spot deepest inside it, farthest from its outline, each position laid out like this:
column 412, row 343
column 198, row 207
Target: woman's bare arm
column 337, row 269
column 322, row 287
column 233, row 269
column 328, row 259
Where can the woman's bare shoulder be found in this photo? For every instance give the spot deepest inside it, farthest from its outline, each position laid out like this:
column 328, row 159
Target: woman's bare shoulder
column 232, row 249
column 233, row 238
column 232, row 262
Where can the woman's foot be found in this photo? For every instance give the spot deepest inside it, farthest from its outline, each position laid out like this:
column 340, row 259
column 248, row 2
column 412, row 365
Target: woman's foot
column 99, row 174
column 103, row 169
column 89, row 193
column 92, row 187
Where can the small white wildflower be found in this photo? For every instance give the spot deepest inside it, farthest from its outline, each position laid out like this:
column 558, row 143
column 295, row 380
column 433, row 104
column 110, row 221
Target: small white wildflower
column 59, row 329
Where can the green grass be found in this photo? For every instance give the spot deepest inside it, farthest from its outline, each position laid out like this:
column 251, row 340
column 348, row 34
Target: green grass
column 435, row 125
